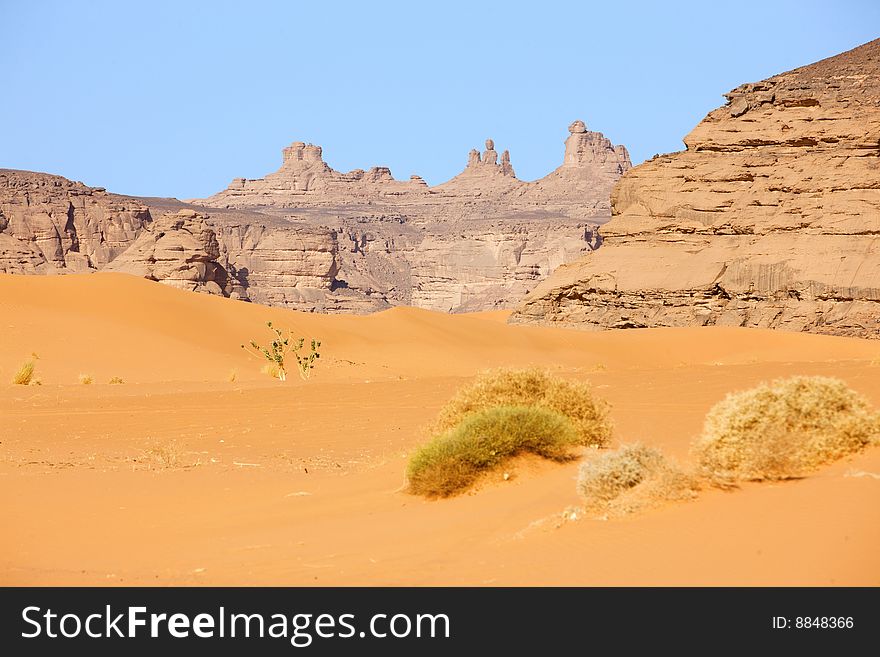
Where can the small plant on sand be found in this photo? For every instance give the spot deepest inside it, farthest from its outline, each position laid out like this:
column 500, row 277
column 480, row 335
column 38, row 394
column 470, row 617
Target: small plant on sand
column 631, row 478
column 531, row 387
column 116, row 380
column 783, row 429
column 485, row 439
column 25, row 374
column 165, row 456
column 276, row 352
column 232, row 376
column 86, row 379
column 273, row 370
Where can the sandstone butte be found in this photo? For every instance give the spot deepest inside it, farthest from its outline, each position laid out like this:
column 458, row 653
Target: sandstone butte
column 312, row 238
column 769, row 218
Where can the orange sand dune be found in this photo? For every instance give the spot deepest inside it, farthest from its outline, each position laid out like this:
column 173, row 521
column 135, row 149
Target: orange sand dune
column 181, row 476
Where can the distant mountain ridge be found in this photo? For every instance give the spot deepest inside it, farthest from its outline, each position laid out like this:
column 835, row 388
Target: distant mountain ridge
column 312, row 238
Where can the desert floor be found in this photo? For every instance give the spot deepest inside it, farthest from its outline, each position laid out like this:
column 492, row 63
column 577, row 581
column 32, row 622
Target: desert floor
column 182, row 476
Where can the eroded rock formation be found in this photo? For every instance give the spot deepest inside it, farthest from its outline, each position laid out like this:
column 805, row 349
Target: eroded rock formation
column 49, row 224
column 478, row 241
column 769, row 218
column 180, row 250
column 312, row 238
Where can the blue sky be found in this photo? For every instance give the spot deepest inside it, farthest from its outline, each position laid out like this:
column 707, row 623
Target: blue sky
column 176, row 99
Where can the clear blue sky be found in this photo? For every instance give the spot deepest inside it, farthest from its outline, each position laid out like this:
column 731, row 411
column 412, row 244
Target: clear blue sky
column 177, row 98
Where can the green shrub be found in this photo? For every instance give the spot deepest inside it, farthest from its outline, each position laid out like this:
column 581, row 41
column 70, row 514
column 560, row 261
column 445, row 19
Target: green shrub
column 783, row 429
column 531, row 387
column 279, row 347
column 631, row 478
column 483, row 440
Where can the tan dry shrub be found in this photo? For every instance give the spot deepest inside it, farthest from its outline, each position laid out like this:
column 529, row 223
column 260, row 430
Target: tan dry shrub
column 273, row 370
column 86, row 379
column 783, row 429
column 116, row 380
column 25, row 374
column 531, row 387
column 165, row 456
column 631, row 478
column 484, row 440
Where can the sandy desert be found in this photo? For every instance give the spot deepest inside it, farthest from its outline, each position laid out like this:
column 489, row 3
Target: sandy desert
column 632, row 312
column 182, row 476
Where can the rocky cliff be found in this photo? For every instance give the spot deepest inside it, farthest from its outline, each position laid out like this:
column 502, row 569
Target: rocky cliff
column 769, row 218
column 49, row 224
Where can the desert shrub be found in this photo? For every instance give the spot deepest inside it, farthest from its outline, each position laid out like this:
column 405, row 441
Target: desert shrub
column 25, row 374
column 116, row 380
column 165, row 456
column 277, row 350
column 783, row 429
column 531, row 387
column 631, row 478
column 86, row 379
column 483, row 440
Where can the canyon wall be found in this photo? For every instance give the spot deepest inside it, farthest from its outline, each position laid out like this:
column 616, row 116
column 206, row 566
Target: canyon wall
column 769, row 218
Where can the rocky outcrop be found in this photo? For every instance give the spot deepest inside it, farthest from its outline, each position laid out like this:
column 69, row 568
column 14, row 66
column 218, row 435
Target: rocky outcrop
column 591, row 167
column 484, row 174
column 478, row 241
column 180, row 250
column 579, row 188
column 49, row 224
column 769, row 218
column 304, row 178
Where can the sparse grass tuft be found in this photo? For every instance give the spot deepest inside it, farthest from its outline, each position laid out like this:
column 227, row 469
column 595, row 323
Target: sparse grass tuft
column 485, row 439
column 116, row 380
column 632, row 478
column 272, row 369
column 86, row 379
column 783, row 429
column 232, row 376
column 25, row 374
column 165, row 456
column 531, row 387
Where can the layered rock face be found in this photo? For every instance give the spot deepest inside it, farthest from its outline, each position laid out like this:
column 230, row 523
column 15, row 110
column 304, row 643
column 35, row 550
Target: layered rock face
column 277, row 264
column 769, row 218
column 49, row 224
column 491, row 264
